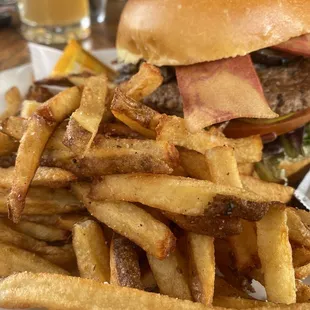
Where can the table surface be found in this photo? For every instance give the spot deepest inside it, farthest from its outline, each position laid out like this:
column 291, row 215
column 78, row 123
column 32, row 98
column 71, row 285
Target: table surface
column 14, row 51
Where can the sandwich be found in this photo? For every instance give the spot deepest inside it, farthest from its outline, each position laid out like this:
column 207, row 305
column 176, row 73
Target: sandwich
column 241, row 65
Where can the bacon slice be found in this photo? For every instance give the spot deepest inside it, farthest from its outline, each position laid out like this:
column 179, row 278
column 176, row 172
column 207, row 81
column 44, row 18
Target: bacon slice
column 221, row 90
column 297, row 46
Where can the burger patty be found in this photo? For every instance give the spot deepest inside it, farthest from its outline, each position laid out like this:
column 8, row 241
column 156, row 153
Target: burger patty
column 286, row 88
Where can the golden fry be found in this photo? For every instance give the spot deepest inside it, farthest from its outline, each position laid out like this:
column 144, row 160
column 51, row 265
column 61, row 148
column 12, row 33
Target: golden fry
column 13, row 100
column 124, row 263
column 29, row 107
column 91, row 251
column 14, row 126
column 7, row 144
column 40, row 127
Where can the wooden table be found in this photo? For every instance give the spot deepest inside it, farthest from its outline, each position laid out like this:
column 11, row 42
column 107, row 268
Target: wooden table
column 14, row 51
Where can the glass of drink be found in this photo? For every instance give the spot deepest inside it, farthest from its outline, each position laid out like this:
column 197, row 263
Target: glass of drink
column 54, row 21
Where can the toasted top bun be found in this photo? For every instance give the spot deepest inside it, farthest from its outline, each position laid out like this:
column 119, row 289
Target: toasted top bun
column 183, row 32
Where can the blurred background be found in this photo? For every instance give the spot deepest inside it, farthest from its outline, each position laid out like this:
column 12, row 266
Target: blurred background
column 54, row 22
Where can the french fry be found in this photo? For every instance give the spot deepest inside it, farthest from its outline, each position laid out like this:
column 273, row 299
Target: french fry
column 7, row 144
column 118, row 130
column 223, row 288
column 45, row 201
column 13, row 260
column 302, row 272
column 242, row 303
column 219, row 227
column 181, row 195
column 63, row 292
column 11, row 236
column 303, row 292
column 28, row 108
column 134, row 114
column 301, row 256
column 298, row 232
column 61, row 221
column 171, row 275
column 246, row 169
column 173, row 130
column 142, row 83
column 85, row 121
column 124, row 263
column 40, row 231
column 14, row 126
column 13, row 101
column 268, row 190
column 40, row 127
column 275, row 254
column 304, row 216
column 130, row 221
column 223, row 167
column 148, row 281
column 244, row 247
column 202, row 267
column 91, row 251
column 45, row 176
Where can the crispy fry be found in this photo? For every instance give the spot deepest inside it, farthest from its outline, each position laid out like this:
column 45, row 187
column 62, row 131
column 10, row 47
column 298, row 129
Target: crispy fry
column 303, row 292
column 13, row 101
column 13, row 260
column 270, row 191
column 63, row 292
column 45, row 201
column 91, row 251
column 298, row 232
column 202, row 267
column 223, row 288
column 14, row 126
column 29, row 107
column 301, row 256
column 40, row 231
column 246, row 169
column 218, row 227
column 45, row 176
column 302, row 272
column 223, row 167
column 244, row 247
column 171, row 275
column 118, row 130
column 173, row 130
column 40, row 127
column 39, row 93
column 241, row 303
column 275, row 254
column 181, row 195
column 142, row 83
column 134, row 114
column 7, row 144
column 124, row 263
column 85, row 121
column 130, row 221
column 304, row 216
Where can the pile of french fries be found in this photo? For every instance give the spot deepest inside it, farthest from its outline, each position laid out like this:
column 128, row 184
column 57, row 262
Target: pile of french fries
column 113, row 205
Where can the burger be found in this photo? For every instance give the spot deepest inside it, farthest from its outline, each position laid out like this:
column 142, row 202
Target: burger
column 242, row 64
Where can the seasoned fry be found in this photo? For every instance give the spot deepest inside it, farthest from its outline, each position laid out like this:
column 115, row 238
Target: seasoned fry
column 28, row 108
column 218, row 227
column 244, row 247
column 85, row 121
column 130, row 221
column 268, row 190
column 45, row 201
column 242, row 303
column 172, row 129
column 7, row 144
column 14, row 126
column 40, row 127
column 13, row 260
column 45, row 176
column 298, row 232
column 223, row 167
column 63, row 292
column 134, row 114
column 171, row 275
column 142, row 83
column 40, row 231
column 124, row 263
column 275, row 253
column 202, row 267
column 91, row 251
column 13, row 101
column 181, row 195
